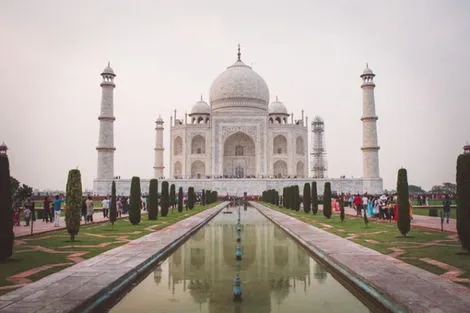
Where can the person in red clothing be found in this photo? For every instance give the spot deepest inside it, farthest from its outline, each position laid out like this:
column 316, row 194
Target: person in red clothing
column 358, row 204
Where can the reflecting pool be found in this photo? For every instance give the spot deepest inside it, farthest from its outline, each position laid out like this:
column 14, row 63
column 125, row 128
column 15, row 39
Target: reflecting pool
column 277, row 275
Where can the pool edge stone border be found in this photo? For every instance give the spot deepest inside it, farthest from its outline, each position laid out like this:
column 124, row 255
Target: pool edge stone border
column 396, row 285
column 89, row 285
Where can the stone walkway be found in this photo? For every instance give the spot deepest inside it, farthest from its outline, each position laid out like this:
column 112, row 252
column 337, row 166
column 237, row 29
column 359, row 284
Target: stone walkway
column 40, row 227
column 397, row 285
column 87, row 284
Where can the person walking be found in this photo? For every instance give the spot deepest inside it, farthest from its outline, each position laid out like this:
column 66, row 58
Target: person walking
column 105, row 204
column 119, row 207
column 27, row 215
column 90, row 207
column 46, row 210
column 446, row 208
column 57, row 205
column 84, row 209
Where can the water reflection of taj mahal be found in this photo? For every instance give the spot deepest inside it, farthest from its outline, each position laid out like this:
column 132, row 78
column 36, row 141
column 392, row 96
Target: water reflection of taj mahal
column 272, row 265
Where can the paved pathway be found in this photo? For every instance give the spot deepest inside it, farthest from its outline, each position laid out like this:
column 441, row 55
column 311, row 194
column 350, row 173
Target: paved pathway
column 397, row 285
column 92, row 281
column 42, row 227
column 423, row 221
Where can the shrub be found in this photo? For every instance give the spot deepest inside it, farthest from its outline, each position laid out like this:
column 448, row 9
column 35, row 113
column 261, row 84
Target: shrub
column 463, row 200
column 314, row 198
column 152, row 205
column 403, row 221
column 203, row 197
column 307, row 198
column 327, row 200
column 165, row 201
column 135, row 201
column 180, row 199
column 191, row 198
column 172, row 195
column 6, row 213
column 112, row 205
column 433, row 212
column 73, row 207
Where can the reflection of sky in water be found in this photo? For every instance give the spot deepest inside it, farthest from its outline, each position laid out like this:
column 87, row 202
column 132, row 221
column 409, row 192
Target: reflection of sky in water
column 277, row 274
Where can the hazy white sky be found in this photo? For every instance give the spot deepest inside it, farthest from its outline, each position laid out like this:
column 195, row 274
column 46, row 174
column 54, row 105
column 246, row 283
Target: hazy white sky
column 166, row 53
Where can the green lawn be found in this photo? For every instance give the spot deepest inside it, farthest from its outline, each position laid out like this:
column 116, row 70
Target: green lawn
column 416, row 211
column 385, row 236
column 92, row 239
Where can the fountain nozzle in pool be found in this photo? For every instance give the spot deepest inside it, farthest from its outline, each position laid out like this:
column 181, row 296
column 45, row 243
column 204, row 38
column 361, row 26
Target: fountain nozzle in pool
column 238, row 253
column 237, row 288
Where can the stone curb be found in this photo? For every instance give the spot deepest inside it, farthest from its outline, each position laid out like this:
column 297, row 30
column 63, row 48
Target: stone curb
column 397, row 286
column 90, row 285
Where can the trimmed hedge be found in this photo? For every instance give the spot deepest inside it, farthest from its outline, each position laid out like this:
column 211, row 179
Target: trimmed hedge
column 165, row 201
column 327, row 200
column 463, row 200
column 403, row 221
column 112, row 205
column 73, row 206
column 6, row 211
column 152, row 205
column 135, row 201
column 314, row 198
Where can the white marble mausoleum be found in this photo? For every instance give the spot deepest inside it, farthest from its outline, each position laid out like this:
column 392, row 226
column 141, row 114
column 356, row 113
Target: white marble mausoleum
column 237, row 141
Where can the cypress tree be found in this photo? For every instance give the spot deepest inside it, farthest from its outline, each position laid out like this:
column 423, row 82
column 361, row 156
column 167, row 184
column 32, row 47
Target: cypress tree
column 403, row 221
column 112, row 205
column 6, row 211
column 203, row 197
column 153, row 200
column 327, row 200
column 191, row 198
column 307, row 199
column 172, row 195
column 341, row 209
column 463, row 200
column 284, row 193
column 73, row 207
column 314, row 198
column 296, row 198
column 180, row 199
column 165, row 201
column 135, row 201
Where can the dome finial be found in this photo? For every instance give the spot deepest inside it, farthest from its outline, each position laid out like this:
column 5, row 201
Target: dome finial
column 201, row 96
column 109, row 64
column 239, row 54
column 277, row 99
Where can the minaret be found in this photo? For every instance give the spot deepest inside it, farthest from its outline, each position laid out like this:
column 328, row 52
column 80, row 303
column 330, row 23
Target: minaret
column 106, row 138
column 318, row 150
column 370, row 147
column 159, row 149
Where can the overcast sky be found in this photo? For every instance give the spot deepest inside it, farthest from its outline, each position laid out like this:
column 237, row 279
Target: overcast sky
column 167, row 53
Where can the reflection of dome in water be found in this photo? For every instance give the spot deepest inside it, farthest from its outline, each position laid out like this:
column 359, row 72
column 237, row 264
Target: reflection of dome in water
column 199, row 290
column 280, row 288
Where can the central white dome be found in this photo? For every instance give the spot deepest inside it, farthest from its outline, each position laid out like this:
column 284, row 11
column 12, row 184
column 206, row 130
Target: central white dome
column 239, row 88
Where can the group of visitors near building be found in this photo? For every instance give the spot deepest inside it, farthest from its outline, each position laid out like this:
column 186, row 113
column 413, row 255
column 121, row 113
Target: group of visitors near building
column 50, row 211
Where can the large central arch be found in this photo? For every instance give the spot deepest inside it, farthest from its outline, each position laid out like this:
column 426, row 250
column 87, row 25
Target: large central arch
column 239, row 156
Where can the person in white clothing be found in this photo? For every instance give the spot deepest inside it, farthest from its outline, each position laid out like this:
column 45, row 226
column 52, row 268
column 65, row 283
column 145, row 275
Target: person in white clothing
column 105, row 204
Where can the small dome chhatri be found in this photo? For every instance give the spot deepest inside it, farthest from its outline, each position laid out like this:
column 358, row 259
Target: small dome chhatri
column 367, row 71
column 239, row 88
column 277, row 107
column 108, row 70
column 201, row 107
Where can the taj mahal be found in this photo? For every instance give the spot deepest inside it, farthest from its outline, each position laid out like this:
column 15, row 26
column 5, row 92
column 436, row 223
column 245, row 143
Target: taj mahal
column 239, row 141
